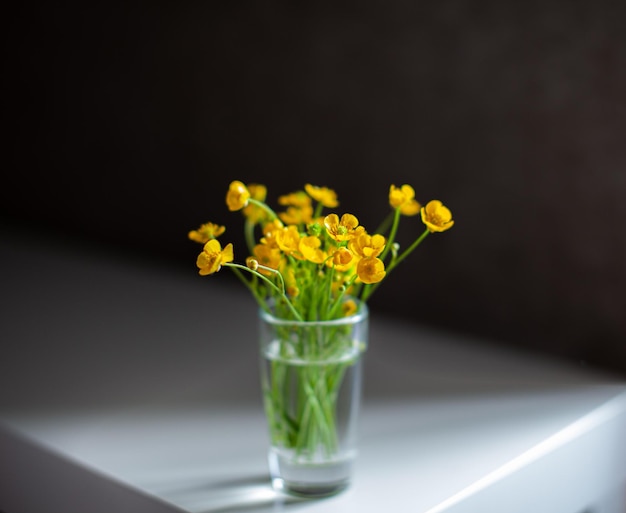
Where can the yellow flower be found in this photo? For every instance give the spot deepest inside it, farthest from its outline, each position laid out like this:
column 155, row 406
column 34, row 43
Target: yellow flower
column 324, row 195
column 370, row 270
column 269, row 232
column 342, row 259
column 295, row 199
column 341, row 230
column 404, row 197
column 297, row 215
column 206, row 232
column 237, row 196
column 437, row 217
column 310, row 249
column 213, row 256
column 272, row 226
column 291, row 282
column 288, row 240
column 252, row 212
column 366, row 245
column 299, row 208
column 267, row 256
column 349, row 308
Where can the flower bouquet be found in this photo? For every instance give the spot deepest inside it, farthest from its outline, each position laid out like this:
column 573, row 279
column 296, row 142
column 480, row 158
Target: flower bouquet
column 312, row 273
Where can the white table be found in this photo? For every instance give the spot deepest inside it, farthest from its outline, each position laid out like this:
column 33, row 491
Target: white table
column 126, row 387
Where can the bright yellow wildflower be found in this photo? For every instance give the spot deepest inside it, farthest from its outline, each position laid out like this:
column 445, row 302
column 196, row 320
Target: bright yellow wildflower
column 295, row 199
column 342, row 229
column 342, row 256
column 288, row 240
column 370, row 270
column 206, row 232
column 270, row 230
column 291, row 282
column 404, row 197
column 366, row 245
column 324, row 195
column 237, row 196
column 299, row 208
column 342, row 259
column 437, row 217
column 270, row 240
column 272, row 226
column 213, row 256
column 349, row 308
column 297, row 215
column 254, row 213
column 268, row 256
column 310, row 249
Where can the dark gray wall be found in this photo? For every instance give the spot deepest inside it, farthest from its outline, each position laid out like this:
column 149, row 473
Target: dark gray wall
column 127, row 124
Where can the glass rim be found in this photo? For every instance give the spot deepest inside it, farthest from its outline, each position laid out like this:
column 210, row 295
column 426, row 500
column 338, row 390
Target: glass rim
column 361, row 315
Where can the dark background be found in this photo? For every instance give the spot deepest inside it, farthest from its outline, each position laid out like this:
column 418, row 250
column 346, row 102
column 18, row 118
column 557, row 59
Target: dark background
column 127, row 123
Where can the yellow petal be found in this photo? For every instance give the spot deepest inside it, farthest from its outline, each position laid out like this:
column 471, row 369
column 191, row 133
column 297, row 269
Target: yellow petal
column 371, row 270
column 237, row 196
column 436, row 216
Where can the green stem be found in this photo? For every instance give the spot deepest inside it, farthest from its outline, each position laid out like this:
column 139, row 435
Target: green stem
column 317, row 409
column 249, row 235
column 327, row 292
column 382, row 227
column 251, row 288
column 271, row 284
column 342, row 293
column 392, row 234
column 318, row 210
column 263, row 206
column 408, row 251
column 369, row 290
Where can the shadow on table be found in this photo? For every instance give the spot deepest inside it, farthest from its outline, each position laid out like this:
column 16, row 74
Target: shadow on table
column 237, row 495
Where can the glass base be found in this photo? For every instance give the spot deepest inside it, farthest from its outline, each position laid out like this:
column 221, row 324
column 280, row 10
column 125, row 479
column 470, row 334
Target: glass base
column 306, row 479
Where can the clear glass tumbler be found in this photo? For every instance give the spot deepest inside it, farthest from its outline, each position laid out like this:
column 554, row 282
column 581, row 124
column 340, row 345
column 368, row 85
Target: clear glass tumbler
column 311, row 381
